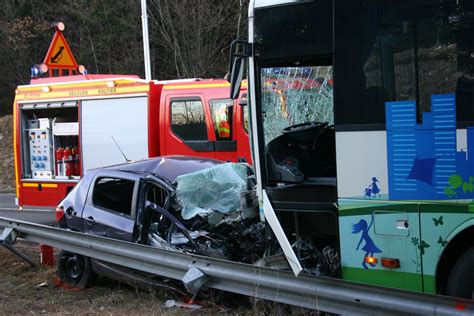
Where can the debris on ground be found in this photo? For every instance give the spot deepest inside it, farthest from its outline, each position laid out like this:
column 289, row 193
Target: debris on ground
column 173, row 303
column 43, row 284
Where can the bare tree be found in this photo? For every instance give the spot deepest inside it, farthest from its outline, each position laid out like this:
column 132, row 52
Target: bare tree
column 190, row 38
column 194, row 35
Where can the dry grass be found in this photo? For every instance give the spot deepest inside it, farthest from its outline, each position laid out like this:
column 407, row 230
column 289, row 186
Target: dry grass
column 20, row 294
column 7, row 174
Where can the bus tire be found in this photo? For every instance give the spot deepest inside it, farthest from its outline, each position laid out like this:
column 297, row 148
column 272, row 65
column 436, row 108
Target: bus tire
column 461, row 278
column 75, row 269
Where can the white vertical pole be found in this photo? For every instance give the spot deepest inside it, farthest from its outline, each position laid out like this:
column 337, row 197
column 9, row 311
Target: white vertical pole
column 146, row 44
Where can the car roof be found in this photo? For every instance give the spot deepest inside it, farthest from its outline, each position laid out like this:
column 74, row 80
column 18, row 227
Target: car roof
column 167, row 167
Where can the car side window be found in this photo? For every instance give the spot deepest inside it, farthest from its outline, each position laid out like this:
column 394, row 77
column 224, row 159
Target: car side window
column 114, row 194
column 157, row 195
column 188, row 120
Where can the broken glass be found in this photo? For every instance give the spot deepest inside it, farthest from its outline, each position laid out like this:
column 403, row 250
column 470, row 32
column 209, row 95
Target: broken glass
column 213, row 189
column 295, row 95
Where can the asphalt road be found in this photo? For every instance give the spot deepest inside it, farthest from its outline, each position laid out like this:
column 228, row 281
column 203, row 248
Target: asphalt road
column 39, row 215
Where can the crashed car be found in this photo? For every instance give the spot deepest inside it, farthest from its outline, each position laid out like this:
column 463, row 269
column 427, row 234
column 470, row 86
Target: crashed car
column 192, row 205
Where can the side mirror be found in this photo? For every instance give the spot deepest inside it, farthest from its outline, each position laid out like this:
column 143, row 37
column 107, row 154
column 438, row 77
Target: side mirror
column 236, row 77
column 239, row 50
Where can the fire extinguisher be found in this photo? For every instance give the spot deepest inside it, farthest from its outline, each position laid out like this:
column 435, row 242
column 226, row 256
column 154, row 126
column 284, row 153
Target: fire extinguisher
column 68, row 164
column 73, row 154
column 59, row 161
column 77, row 170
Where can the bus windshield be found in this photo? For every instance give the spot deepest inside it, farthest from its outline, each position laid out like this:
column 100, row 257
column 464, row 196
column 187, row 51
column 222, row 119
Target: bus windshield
column 295, row 95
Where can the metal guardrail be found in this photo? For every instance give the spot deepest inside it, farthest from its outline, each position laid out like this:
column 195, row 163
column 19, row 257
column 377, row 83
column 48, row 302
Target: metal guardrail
column 319, row 293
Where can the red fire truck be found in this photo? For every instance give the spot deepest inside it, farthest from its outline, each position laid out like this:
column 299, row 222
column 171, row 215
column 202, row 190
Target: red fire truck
column 66, row 125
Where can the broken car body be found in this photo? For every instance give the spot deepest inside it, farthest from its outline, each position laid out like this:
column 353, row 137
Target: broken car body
column 191, row 205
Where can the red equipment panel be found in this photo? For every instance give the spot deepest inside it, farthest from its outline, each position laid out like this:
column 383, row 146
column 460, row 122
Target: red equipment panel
column 44, row 193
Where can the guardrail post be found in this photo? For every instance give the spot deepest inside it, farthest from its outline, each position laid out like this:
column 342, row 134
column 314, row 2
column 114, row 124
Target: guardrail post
column 194, row 280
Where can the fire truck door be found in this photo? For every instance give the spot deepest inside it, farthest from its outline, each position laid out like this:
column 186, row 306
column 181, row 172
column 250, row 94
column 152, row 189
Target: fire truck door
column 187, row 127
column 241, row 114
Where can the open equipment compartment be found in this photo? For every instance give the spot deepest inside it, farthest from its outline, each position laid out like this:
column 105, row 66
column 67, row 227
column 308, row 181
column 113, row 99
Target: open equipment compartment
column 50, row 141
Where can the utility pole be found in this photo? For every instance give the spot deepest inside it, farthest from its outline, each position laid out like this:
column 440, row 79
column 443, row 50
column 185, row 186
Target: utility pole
column 146, row 43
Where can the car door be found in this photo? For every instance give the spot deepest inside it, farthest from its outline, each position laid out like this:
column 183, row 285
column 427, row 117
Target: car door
column 153, row 194
column 110, row 210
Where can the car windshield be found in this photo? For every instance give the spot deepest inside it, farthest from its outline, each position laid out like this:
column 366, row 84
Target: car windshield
column 295, row 95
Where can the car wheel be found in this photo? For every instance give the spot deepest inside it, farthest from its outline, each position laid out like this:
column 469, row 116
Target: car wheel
column 461, row 278
column 75, row 269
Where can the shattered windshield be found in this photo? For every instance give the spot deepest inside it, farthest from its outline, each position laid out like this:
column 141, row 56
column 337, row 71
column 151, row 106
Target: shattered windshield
column 295, row 95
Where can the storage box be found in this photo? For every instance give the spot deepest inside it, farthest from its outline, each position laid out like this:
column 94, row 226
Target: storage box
column 66, row 129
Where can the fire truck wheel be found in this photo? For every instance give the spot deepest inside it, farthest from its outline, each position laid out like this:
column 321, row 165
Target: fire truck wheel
column 461, row 278
column 75, row 269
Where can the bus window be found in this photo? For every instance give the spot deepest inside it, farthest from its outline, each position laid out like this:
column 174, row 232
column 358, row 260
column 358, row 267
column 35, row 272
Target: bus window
column 445, row 55
column 403, row 51
column 374, row 60
column 298, row 118
column 295, row 95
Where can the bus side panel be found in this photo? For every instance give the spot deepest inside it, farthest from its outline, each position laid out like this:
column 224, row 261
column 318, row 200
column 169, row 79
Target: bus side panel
column 441, row 223
column 112, row 126
column 371, row 225
column 371, row 229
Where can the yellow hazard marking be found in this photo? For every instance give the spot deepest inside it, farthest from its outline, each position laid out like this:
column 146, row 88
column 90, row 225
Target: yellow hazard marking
column 81, row 84
column 15, row 153
column 201, row 85
column 44, row 185
column 196, row 86
column 78, row 93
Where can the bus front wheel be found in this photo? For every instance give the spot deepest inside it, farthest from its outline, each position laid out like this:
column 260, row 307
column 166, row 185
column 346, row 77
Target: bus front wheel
column 461, row 278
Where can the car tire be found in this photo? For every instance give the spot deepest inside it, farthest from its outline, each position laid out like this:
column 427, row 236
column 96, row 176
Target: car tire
column 461, row 278
column 75, row 269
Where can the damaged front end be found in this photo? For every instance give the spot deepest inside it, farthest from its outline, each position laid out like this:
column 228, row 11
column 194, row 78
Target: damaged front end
column 214, row 212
